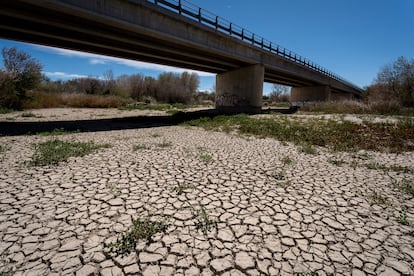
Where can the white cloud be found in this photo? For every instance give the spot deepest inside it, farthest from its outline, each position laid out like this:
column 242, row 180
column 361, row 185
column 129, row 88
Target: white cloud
column 64, row 75
column 99, row 59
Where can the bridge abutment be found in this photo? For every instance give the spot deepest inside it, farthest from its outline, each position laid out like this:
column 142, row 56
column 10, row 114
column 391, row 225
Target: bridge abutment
column 240, row 90
column 310, row 94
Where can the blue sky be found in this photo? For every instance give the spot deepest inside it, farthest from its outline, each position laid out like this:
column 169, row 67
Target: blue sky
column 353, row 38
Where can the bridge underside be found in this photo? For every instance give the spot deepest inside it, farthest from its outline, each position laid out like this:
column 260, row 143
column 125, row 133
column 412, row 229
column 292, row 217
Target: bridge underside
column 139, row 30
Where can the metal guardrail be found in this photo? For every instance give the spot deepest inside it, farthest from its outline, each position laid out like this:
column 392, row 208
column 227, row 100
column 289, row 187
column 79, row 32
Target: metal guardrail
column 211, row 20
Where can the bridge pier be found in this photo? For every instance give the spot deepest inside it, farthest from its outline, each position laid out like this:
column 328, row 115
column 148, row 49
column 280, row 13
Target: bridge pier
column 310, row 94
column 240, row 90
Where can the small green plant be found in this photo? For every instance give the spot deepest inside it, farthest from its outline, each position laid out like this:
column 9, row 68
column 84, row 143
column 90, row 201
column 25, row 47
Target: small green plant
column 58, row 131
column 205, row 157
column 139, row 147
column 308, row 149
column 180, row 188
column 30, row 114
column 164, row 144
column 54, row 151
column 141, row 229
column 337, row 162
column 402, row 218
column 286, row 160
column 5, row 110
column 405, row 186
column 378, row 198
column 279, row 175
column 204, row 222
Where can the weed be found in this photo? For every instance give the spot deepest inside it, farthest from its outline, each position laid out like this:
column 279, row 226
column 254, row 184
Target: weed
column 5, row 110
column 308, row 149
column 279, row 175
column 286, row 160
column 164, row 144
column 29, row 115
column 405, row 186
column 205, row 157
column 180, row 188
column 54, row 151
column 394, row 168
column 3, row 148
column 337, row 162
column 378, row 198
column 58, row 131
column 402, row 218
column 338, row 136
column 139, row 147
column 142, row 229
column 204, row 222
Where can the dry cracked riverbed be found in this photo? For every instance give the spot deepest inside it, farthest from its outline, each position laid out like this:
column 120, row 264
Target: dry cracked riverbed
column 274, row 210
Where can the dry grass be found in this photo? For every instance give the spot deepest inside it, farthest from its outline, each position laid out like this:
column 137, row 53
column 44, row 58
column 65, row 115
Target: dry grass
column 356, row 107
column 50, row 100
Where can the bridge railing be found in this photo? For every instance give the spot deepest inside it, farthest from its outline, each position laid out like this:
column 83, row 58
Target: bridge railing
column 211, row 20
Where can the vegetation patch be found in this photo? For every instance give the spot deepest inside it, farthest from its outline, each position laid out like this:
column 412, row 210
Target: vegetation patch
column 4, row 110
column 204, row 222
column 54, row 151
column 378, row 198
column 338, row 136
column 180, row 188
column 57, row 132
column 405, row 186
column 403, row 218
column 164, row 144
column 139, row 147
column 142, row 229
column 286, row 160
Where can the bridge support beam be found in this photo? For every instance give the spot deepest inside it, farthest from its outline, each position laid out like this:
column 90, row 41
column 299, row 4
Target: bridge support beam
column 299, row 95
column 240, row 90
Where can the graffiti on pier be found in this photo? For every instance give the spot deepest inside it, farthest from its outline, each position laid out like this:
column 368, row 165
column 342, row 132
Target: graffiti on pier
column 226, row 100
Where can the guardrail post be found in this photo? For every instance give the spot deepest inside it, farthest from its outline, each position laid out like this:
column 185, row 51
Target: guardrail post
column 216, row 22
column 242, row 34
column 179, row 7
column 230, row 28
column 253, row 38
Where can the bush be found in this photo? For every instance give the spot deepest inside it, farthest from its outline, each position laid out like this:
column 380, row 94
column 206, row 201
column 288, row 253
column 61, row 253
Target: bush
column 21, row 73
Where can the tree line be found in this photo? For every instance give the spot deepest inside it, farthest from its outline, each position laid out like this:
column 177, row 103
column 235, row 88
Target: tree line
column 22, row 73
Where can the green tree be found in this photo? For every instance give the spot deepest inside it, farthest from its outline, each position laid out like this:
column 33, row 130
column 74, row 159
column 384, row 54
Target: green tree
column 21, row 73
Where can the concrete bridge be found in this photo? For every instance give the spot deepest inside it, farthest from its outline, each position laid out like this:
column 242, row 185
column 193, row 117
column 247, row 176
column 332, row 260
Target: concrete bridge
column 176, row 33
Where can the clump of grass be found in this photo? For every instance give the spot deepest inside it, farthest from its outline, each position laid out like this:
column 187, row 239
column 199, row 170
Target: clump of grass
column 394, row 168
column 180, row 188
column 308, row 149
column 3, row 148
column 337, row 162
column 378, row 198
column 54, row 151
column 4, row 110
column 205, row 157
column 405, row 186
column 286, row 160
column 164, row 144
column 139, row 147
column 403, row 218
column 29, row 114
column 57, row 132
column 142, row 229
column 338, row 136
column 204, row 222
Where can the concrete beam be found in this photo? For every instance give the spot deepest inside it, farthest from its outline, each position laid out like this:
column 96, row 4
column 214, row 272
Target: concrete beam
column 240, row 90
column 310, row 94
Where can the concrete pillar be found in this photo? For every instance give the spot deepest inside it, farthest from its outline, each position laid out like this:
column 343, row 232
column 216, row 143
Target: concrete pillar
column 240, row 90
column 299, row 95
